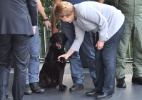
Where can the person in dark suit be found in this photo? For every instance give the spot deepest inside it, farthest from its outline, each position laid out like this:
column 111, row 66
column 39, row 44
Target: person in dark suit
column 16, row 20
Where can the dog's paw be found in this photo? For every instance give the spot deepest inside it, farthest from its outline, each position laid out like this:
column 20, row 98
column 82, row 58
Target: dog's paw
column 62, row 59
column 62, row 88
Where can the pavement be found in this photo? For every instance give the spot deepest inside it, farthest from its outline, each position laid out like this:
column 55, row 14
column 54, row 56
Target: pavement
column 131, row 92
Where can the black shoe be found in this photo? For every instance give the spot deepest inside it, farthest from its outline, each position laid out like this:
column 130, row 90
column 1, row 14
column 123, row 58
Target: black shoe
column 28, row 90
column 103, row 95
column 121, row 83
column 92, row 93
column 36, row 88
column 8, row 97
column 137, row 80
column 76, row 87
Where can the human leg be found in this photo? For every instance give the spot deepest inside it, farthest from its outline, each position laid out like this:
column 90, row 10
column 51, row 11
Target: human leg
column 75, row 62
column 5, row 59
column 137, row 54
column 33, row 67
column 20, row 47
column 99, row 74
column 87, row 54
column 121, row 55
column 109, row 62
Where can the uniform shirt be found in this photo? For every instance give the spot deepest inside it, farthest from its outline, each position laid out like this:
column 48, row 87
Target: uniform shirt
column 96, row 17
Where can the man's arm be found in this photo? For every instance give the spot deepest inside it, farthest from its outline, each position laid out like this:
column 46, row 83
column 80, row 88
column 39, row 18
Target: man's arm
column 54, row 29
column 32, row 6
column 42, row 13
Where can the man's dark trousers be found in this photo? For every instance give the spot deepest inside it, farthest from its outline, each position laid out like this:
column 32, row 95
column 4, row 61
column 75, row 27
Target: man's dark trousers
column 18, row 46
column 16, row 20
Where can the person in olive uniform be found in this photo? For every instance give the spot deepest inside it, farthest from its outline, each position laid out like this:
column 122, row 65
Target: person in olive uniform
column 132, row 9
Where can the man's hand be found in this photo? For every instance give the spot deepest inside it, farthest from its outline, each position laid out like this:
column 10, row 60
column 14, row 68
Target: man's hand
column 100, row 45
column 47, row 24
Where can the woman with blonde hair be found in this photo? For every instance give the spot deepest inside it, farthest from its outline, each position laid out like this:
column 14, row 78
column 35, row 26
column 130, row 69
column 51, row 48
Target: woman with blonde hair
column 84, row 58
column 109, row 23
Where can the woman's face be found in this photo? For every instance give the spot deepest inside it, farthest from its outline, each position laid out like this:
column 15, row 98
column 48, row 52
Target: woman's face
column 68, row 19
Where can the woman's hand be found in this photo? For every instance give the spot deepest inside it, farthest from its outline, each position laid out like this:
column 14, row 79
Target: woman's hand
column 100, row 45
column 64, row 56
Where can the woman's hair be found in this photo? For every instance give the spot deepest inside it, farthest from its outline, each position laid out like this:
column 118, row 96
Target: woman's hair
column 63, row 8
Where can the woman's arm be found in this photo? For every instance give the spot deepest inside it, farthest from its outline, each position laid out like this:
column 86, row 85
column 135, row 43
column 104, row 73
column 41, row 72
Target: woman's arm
column 67, row 55
column 79, row 37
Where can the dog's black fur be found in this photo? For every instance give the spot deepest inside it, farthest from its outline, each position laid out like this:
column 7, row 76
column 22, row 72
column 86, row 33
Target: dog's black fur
column 51, row 74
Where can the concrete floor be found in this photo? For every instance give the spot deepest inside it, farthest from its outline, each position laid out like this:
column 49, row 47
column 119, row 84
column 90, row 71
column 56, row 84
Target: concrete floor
column 132, row 92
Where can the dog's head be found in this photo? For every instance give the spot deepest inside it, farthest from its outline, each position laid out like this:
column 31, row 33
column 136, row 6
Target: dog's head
column 58, row 40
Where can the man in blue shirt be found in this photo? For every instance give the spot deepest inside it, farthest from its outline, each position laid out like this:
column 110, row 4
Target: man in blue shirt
column 77, row 59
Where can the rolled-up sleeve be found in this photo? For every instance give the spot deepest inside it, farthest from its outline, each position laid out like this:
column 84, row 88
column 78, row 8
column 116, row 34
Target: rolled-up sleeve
column 79, row 32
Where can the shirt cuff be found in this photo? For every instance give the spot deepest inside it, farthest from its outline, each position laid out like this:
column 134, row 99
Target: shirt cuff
column 33, row 26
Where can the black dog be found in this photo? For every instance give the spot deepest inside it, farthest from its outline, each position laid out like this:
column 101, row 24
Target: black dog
column 51, row 74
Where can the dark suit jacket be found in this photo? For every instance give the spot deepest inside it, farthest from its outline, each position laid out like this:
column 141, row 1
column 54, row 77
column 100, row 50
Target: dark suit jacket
column 18, row 16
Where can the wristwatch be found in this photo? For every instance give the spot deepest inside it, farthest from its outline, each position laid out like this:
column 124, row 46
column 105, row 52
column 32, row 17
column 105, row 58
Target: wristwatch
column 46, row 19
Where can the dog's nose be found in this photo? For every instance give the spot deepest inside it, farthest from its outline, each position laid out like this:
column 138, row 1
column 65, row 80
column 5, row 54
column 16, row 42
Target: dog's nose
column 58, row 44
